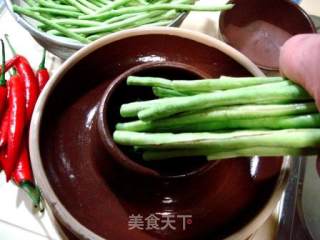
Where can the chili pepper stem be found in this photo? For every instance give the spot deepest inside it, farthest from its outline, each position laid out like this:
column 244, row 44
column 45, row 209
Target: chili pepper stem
column 34, row 194
column 3, row 64
column 43, row 61
column 14, row 72
column 10, row 46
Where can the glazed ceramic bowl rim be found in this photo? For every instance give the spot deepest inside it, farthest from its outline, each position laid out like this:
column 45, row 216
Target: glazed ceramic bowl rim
column 296, row 6
column 40, row 175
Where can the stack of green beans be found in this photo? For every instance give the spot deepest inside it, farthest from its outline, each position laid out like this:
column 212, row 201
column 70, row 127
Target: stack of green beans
column 220, row 118
column 88, row 20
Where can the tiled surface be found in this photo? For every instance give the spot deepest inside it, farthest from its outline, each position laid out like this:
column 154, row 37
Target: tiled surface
column 17, row 221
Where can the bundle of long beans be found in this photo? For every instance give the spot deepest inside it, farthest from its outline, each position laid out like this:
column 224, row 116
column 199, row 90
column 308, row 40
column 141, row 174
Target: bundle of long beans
column 88, row 20
column 221, row 118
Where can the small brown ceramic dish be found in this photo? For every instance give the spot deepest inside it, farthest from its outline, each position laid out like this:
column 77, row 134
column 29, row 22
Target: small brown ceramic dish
column 95, row 188
column 258, row 28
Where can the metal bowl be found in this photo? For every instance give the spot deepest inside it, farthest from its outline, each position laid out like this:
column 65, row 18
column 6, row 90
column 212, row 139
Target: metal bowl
column 59, row 46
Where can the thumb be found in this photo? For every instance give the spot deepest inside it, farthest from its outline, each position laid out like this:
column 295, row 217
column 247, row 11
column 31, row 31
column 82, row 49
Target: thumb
column 300, row 62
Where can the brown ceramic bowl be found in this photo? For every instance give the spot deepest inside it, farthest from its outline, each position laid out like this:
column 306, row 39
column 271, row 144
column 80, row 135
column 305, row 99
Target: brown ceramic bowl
column 258, row 28
column 118, row 93
column 94, row 186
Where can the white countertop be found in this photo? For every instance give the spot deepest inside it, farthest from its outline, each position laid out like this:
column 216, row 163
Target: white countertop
column 17, row 221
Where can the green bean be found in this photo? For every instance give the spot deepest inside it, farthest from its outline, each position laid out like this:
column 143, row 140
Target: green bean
column 97, row 3
column 96, row 36
column 166, row 15
column 63, row 2
column 55, row 33
column 113, row 5
column 54, row 11
column 143, row 2
column 262, row 152
column 105, row 1
column 165, row 92
column 149, row 81
column 164, row 6
column 159, row 23
column 31, row 3
column 81, row 7
column 43, row 20
column 89, row 5
column 132, row 109
column 120, row 18
column 223, row 83
column 68, row 15
column 227, row 153
column 45, row 3
column 116, row 25
column 205, row 85
column 222, row 114
column 246, row 95
column 289, row 138
column 145, row 21
column 304, row 121
column 76, row 22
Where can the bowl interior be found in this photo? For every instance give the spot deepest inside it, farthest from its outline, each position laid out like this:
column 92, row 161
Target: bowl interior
column 102, row 195
column 119, row 93
column 258, row 28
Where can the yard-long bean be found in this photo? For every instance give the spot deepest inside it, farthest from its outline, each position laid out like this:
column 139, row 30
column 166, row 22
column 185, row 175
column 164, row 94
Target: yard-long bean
column 152, row 7
column 286, row 122
column 54, row 11
column 64, row 17
column 89, row 5
column 165, row 92
column 55, row 26
column 289, row 138
column 151, row 155
column 205, row 85
column 57, row 6
column 116, row 25
column 246, row 95
column 80, row 7
column 234, row 119
column 222, row 114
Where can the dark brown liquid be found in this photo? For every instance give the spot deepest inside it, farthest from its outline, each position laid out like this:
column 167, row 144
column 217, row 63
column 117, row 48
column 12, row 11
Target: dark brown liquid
column 101, row 194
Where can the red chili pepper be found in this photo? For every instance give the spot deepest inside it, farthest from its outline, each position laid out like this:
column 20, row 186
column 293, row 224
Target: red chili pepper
column 3, row 88
column 10, row 63
column 23, row 177
column 16, row 123
column 42, row 73
column 4, row 129
column 3, row 157
column 31, row 83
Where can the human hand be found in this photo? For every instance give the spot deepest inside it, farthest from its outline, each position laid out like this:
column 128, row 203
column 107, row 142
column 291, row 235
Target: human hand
column 300, row 62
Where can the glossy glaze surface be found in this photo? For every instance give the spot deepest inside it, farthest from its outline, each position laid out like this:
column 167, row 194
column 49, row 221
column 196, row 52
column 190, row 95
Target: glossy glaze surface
column 101, row 194
column 258, row 28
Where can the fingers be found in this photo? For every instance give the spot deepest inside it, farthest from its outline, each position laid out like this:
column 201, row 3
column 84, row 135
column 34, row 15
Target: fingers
column 300, row 62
